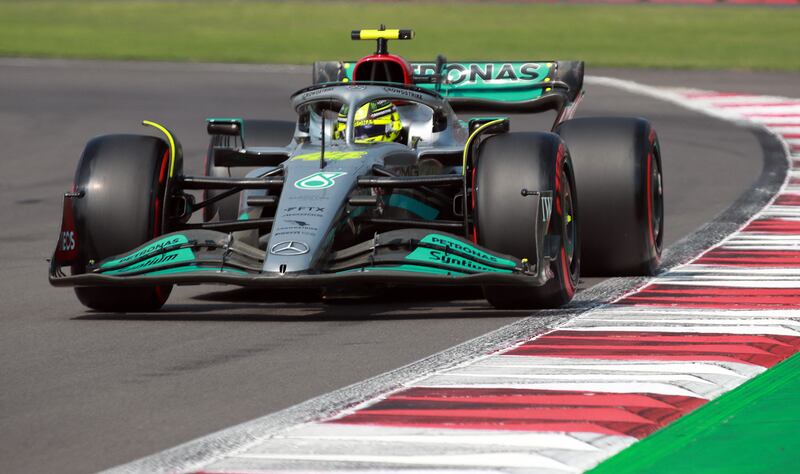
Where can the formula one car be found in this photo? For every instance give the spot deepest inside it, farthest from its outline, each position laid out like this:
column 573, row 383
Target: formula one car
column 377, row 183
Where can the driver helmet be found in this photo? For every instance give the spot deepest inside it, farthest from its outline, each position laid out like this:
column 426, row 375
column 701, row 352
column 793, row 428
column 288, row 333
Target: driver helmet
column 374, row 122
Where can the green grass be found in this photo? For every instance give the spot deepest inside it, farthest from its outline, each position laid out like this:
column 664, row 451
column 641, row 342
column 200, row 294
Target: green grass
column 301, row 32
column 751, row 429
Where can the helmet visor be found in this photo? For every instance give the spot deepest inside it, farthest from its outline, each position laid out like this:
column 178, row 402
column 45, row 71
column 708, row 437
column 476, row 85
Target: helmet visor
column 369, row 131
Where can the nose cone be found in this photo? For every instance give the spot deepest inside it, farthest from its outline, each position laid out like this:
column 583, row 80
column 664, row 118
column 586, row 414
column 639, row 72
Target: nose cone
column 310, row 207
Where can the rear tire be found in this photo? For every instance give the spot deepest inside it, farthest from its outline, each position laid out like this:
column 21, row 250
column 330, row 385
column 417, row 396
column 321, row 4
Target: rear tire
column 257, row 133
column 124, row 179
column 618, row 170
column 505, row 219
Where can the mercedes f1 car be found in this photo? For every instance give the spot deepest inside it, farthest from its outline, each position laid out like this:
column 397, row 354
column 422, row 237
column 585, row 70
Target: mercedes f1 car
column 376, row 183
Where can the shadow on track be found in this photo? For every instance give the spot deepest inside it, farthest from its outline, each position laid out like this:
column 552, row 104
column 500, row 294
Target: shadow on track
column 248, row 305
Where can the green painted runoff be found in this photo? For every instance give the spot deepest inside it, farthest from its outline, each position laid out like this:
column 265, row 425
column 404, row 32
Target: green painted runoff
column 754, row 428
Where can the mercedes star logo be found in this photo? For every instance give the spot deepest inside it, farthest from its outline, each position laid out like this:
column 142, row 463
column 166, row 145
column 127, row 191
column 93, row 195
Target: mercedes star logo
column 289, row 247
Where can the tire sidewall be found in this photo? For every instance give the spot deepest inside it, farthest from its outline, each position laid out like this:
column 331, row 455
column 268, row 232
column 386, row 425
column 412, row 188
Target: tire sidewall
column 504, row 218
column 611, row 159
column 124, row 180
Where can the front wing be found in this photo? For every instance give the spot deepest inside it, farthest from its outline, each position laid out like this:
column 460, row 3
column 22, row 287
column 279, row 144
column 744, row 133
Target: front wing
column 409, row 256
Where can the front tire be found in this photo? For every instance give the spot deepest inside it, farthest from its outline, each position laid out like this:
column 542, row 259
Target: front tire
column 505, row 219
column 123, row 179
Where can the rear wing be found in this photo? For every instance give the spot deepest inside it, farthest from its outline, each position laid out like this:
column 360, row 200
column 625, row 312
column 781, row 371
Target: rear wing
column 512, row 86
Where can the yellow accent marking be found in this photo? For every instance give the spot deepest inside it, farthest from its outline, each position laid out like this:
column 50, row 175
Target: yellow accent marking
column 330, row 155
column 547, row 90
column 380, row 34
column 549, row 64
column 524, row 260
column 346, row 64
column 344, row 79
column 163, row 130
column 546, row 79
column 386, row 120
column 569, row 218
column 469, row 142
column 362, row 112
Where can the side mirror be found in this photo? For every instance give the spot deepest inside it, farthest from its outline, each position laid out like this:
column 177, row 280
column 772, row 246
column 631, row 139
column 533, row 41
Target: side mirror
column 439, row 121
column 229, row 128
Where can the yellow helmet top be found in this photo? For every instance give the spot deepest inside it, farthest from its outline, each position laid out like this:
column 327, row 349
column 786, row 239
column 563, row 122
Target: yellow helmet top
column 374, row 122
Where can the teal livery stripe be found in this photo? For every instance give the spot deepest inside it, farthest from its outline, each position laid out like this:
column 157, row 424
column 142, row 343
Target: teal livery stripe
column 413, row 205
column 440, row 257
column 509, row 81
column 475, row 254
column 408, row 268
column 192, row 268
column 151, row 256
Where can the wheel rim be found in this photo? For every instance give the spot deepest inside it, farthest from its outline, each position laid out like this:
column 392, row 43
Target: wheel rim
column 569, row 229
column 657, row 203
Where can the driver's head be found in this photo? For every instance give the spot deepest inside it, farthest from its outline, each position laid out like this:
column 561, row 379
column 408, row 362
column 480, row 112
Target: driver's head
column 374, row 122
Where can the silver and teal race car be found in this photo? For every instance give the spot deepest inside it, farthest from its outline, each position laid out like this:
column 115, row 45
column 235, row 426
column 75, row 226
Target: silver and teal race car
column 376, row 183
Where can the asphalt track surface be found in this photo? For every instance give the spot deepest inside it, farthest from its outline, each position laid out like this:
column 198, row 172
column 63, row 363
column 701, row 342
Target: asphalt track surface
column 82, row 391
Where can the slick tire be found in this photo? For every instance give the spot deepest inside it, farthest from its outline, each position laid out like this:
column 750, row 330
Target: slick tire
column 505, row 219
column 123, row 179
column 617, row 164
column 256, row 133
